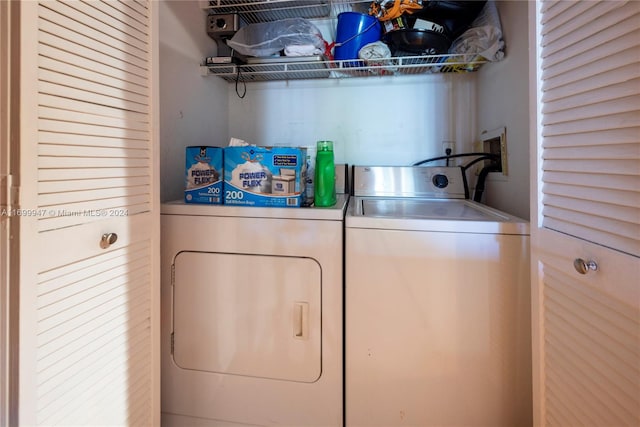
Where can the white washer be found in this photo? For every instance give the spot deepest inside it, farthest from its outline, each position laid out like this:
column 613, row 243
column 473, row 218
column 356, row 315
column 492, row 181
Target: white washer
column 436, row 304
column 252, row 315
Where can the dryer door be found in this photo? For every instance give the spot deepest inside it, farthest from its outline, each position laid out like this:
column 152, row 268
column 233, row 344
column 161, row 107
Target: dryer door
column 253, row 315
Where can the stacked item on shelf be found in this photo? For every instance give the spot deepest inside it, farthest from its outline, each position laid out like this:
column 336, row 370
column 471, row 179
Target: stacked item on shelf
column 412, row 37
column 421, row 36
column 447, row 28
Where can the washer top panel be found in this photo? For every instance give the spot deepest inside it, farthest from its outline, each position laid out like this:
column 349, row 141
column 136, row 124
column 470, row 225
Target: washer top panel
column 427, row 208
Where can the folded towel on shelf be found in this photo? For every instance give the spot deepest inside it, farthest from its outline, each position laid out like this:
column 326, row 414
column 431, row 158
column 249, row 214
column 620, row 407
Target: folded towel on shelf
column 302, row 50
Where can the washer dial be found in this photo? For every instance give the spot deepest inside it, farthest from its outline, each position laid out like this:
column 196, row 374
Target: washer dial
column 440, row 180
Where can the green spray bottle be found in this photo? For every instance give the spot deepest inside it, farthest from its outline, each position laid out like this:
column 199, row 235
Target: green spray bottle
column 325, row 175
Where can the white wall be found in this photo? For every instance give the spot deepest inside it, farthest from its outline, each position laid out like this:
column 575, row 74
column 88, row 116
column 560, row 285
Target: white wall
column 383, row 121
column 503, row 101
column 193, row 109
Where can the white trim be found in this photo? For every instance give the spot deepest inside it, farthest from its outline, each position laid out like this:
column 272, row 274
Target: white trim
column 537, row 321
column 27, row 182
column 155, row 210
column 5, row 87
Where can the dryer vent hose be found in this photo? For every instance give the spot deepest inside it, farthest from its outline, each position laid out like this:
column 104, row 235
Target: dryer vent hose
column 477, row 196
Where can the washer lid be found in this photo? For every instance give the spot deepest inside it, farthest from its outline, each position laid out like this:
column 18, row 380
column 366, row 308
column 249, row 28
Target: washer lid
column 434, row 209
column 447, row 215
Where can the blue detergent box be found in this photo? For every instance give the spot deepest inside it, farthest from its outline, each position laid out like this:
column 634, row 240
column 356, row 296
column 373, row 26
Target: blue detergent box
column 265, row 176
column 204, row 175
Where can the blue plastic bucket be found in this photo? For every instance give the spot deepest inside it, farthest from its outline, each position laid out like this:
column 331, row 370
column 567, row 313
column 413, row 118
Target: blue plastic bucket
column 353, row 32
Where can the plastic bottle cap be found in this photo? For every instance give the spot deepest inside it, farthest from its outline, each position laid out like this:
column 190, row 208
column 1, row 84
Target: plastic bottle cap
column 325, row 145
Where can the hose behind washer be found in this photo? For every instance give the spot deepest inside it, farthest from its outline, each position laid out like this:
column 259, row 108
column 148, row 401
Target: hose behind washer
column 480, row 184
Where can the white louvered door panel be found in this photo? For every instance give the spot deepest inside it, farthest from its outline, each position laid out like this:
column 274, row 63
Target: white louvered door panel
column 92, row 135
column 587, row 206
column 589, row 349
column 93, row 111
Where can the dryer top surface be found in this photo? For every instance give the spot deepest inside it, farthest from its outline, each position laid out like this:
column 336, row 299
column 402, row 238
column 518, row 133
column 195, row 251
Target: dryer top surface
column 333, row 213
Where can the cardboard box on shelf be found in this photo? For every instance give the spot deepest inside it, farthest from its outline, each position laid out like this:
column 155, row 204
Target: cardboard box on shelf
column 204, row 175
column 264, row 176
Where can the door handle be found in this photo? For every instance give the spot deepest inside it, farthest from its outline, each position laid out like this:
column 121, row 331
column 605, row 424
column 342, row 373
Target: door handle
column 583, row 267
column 108, row 239
column 301, row 320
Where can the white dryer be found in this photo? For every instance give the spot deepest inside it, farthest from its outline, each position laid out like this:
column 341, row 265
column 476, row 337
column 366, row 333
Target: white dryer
column 252, row 315
column 436, row 304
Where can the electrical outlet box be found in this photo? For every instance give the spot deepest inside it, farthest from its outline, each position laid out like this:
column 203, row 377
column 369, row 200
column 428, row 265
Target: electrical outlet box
column 223, row 26
column 495, row 142
column 448, row 145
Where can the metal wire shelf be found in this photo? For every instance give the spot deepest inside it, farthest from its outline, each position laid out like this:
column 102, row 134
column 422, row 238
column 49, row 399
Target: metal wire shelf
column 325, row 69
column 287, row 68
column 271, row 10
column 254, row 11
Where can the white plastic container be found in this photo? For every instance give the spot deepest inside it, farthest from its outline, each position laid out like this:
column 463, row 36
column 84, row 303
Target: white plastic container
column 311, row 165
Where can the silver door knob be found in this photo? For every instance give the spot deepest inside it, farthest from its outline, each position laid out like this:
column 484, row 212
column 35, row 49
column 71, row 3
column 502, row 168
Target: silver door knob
column 583, row 267
column 108, row 239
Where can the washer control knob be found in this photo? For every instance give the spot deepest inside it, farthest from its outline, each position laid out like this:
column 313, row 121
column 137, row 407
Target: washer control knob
column 440, row 180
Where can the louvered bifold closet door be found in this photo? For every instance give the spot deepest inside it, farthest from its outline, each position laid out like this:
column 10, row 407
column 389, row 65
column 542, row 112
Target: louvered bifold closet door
column 94, row 171
column 589, row 131
column 591, row 121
